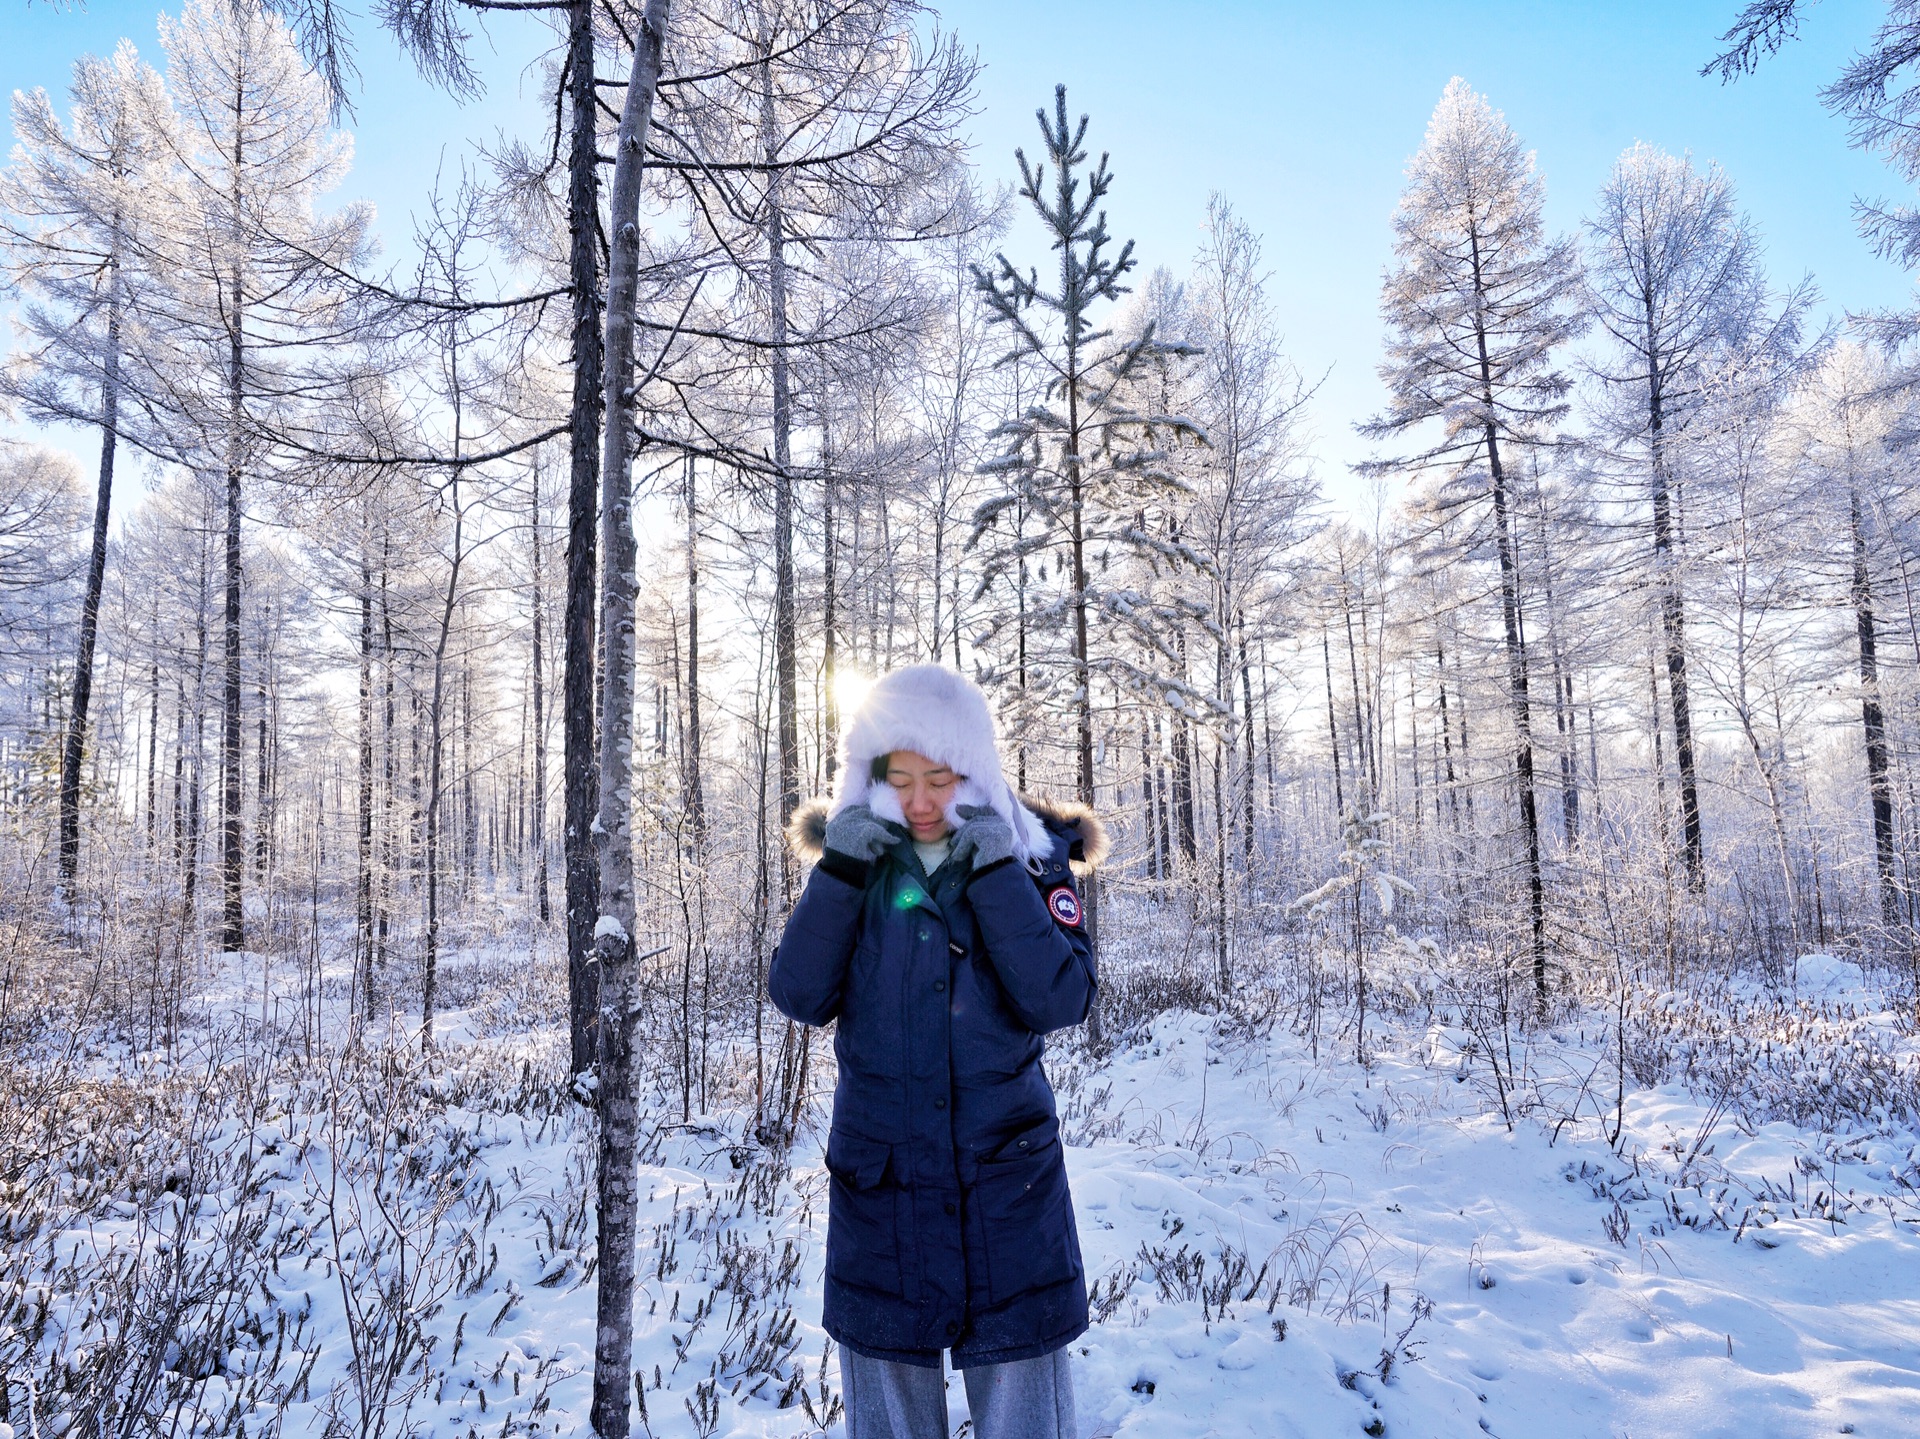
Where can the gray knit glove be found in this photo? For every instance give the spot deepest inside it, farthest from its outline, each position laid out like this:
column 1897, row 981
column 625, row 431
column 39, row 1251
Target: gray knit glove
column 983, row 836
column 855, row 837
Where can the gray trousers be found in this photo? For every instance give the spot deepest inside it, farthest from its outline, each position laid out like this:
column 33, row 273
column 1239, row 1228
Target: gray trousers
column 1027, row 1399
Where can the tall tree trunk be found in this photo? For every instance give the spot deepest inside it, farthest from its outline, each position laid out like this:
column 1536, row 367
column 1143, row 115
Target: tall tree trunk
column 785, row 627
column 1872, row 718
column 1673, row 622
column 1020, row 652
column 537, row 807
column 696, row 782
column 196, row 768
column 1187, row 829
column 613, row 933
column 73, row 751
column 363, row 850
column 1516, row 661
column 263, row 796
column 232, row 846
column 1565, row 715
column 153, row 732
column 1333, row 729
column 578, row 753
column 829, row 597
column 1149, row 803
column 1223, row 749
column 383, row 893
column 1247, row 759
column 1522, row 719
column 436, row 749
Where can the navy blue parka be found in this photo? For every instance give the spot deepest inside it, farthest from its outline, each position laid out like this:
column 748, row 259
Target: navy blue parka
column 949, row 1223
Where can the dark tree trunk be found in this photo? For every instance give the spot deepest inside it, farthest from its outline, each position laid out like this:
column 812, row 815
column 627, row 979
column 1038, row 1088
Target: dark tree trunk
column 829, row 586
column 1522, row 719
column 1185, row 825
column 1673, row 623
column 696, row 783
column 73, row 751
column 1247, row 759
column 263, row 785
column 1333, row 729
column 233, row 859
column 1873, row 720
column 1516, row 662
column 785, row 636
column 363, row 854
column 153, row 735
column 579, row 756
column 383, row 894
column 537, row 806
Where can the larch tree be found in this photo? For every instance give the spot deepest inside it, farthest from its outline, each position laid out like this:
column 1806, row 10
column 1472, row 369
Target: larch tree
column 71, row 207
column 1252, row 493
column 1841, row 425
column 1478, row 302
column 802, row 127
column 253, row 289
column 1673, row 273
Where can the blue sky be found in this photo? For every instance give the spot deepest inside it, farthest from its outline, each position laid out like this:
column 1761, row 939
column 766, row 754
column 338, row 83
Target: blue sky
column 1301, row 114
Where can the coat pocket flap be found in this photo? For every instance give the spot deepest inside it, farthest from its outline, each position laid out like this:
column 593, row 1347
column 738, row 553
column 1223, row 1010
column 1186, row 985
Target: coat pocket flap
column 862, row 1163
column 1032, row 1140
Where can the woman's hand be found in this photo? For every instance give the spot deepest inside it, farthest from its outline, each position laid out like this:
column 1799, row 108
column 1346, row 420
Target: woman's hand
column 983, row 836
column 860, row 834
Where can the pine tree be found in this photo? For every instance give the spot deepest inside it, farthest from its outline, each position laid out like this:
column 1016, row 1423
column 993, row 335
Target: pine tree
column 1083, row 461
column 1479, row 300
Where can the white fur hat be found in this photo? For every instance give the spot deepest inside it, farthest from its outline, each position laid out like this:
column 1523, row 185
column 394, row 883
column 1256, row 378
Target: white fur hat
column 940, row 713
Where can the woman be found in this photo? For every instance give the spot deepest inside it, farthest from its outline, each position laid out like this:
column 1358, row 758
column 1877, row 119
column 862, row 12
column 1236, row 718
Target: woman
column 942, row 928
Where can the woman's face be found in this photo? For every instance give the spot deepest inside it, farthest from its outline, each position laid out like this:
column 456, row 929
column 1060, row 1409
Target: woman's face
column 924, row 790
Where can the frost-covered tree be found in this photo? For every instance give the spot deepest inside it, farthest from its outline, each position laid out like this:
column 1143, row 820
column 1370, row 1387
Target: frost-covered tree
column 73, row 209
column 1878, row 93
column 1837, row 432
column 1673, row 275
column 1083, row 461
column 1751, row 512
column 253, row 291
column 1252, row 493
column 1364, row 870
column 1478, row 303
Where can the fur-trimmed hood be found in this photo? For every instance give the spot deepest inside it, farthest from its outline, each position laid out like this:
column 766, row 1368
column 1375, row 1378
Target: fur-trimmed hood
column 1088, row 841
column 940, row 713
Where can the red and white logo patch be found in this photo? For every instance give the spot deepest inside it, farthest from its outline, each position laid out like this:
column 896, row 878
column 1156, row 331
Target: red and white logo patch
column 1064, row 905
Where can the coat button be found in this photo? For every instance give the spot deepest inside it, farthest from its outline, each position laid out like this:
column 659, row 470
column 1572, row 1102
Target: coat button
column 938, row 985
column 952, row 1208
column 952, row 1328
column 923, row 935
column 1023, row 1144
column 939, row 1104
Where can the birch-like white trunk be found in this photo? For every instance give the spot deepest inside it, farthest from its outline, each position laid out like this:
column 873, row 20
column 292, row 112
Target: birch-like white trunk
column 613, row 935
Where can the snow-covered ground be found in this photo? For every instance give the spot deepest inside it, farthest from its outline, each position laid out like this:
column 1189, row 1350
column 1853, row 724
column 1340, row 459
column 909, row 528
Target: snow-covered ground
column 1559, row 1289
column 1281, row 1245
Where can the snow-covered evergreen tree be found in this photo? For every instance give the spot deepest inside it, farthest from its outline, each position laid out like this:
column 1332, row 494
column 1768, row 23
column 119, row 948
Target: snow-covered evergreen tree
column 1083, row 462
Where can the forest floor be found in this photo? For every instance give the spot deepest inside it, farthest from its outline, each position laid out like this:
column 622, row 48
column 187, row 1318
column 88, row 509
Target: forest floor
column 1281, row 1243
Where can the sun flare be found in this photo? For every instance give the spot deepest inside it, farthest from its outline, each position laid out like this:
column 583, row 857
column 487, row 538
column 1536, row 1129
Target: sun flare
column 850, row 690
